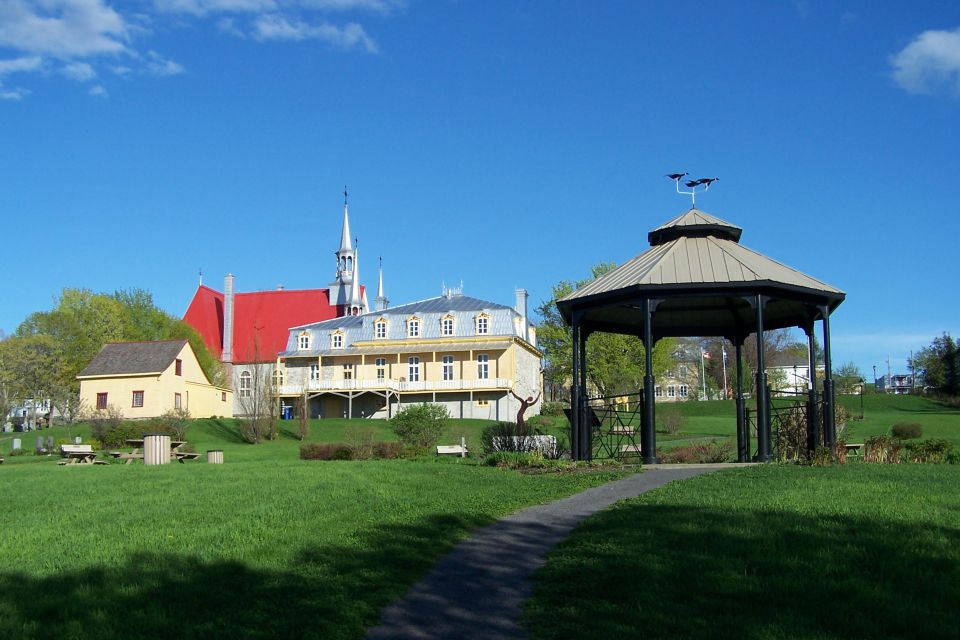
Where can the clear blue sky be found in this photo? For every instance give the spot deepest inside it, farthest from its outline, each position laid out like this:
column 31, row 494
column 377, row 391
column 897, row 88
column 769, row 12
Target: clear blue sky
column 503, row 144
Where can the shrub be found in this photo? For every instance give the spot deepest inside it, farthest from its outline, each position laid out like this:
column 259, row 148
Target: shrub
column 174, row 422
column 340, row 451
column 103, row 420
column 671, row 420
column 702, row 453
column 325, row 451
column 935, row 451
column 387, row 450
column 882, row 449
column 822, row 457
column 505, row 436
column 420, row 425
column 552, row 409
column 906, row 430
column 360, row 440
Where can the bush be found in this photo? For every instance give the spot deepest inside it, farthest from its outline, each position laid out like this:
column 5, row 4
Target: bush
column 116, row 436
column 553, row 409
column 671, row 420
column 822, row 457
column 387, row 450
column 174, row 422
column 505, row 436
column 102, row 421
column 420, row 425
column 935, row 451
column 882, row 449
column 906, row 430
column 339, row 451
column 325, row 451
column 702, row 453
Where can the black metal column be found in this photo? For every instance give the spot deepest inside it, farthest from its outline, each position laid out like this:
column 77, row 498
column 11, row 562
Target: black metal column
column 743, row 435
column 763, row 406
column 575, row 390
column 829, row 412
column 813, row 410
column 586, row 428
column 648, row 434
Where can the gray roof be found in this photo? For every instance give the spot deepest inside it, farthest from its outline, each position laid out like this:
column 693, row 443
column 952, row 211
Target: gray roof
column 124, row 358
column 440, row 304
column 684, row 259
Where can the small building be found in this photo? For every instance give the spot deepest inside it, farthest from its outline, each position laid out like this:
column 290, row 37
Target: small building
column 147, row 379
column 682, row 381
column 472, row 356
column 898, row 383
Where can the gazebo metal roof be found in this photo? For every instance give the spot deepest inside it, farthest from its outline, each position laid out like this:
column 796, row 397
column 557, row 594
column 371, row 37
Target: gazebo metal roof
column 697, row 257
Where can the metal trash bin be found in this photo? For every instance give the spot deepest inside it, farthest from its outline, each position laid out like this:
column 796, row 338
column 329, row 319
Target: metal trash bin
column 215, row 456
column 156, row 449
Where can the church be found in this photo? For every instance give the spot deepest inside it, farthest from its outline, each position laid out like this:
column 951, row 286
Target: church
column 478, row 358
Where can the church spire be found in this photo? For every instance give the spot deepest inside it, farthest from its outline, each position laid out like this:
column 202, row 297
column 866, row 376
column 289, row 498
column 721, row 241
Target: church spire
column 380, row 302
column 356, row 304
column 345, row 234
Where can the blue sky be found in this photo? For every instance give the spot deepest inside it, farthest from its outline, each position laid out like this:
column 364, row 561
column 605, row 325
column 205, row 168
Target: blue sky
column 503, row 144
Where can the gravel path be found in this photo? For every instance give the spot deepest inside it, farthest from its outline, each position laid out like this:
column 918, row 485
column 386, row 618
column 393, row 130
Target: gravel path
column 478, row 589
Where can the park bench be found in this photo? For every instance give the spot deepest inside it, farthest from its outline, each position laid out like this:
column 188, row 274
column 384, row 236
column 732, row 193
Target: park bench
column 630, row 450
column 451, row 450
column 854, row 449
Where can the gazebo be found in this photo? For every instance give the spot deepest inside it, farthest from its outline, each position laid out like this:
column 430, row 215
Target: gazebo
column 698, row 280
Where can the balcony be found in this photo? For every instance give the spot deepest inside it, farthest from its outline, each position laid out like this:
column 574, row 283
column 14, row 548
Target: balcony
column 398, row 386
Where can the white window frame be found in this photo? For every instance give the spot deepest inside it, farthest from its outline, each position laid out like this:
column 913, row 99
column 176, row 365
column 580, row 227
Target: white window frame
column 413, row 328
column 483, row 325
column 483, row 366
column 380, row 329
column 381, row 364
column 671, row 391
column 447, row 326
column 658, row 391
column 303, row 341
column 684, row 391
column 683, row 371
column 413, row 369
column 246, row 384
column 314, row 372
column 277, row 378
column 348, row 371
column 336, row 340
column 447, row 362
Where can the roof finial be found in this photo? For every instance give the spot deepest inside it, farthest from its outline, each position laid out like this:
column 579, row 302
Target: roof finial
column 693, row 184
column 345, row 194
column 201, row 276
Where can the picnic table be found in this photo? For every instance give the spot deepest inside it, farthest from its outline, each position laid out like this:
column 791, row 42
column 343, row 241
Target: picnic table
column 78, row 454
column 137, row 451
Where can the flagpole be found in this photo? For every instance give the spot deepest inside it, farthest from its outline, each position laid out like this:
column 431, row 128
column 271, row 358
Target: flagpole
column 723, row 350
column 703, row 376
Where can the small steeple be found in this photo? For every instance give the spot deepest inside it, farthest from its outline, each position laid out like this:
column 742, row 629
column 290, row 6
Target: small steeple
column 345, row 234
column 380, row 302
column 356, row 304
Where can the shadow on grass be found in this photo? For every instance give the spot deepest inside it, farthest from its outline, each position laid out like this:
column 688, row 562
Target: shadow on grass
column 327, row 592
column 672, row 572
column 228, row 430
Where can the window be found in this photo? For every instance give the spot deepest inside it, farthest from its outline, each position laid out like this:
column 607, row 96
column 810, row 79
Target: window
column 483, row 403
column 671, row 391
column 658, row 392
column 137, row 399
column 381, row 368
column 483, row 366
column 448, row 367
column 446, row 326
column 683, row 371
column 177, row 401
column 223, row 396
column 278, row 378
column 380, row 329
column 483, row 324
column 684, row 390
column 314, row 372
column 179, row 367
column 336, row 341
column 101, row 401
column 414, row 369
column 303, row 341
column 348, row 372
column 246, row 385
column 413, row 328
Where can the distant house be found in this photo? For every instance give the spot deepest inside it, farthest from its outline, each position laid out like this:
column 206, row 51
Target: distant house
column 147, row 379
column 682, row 381
column 899, row 384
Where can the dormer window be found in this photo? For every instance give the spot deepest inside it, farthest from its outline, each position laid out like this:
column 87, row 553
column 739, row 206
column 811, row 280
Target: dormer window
column 380, row 329
column 483, row 324
column 303, row 341
column 446, row 325
column 413, row 327
column 336, row 340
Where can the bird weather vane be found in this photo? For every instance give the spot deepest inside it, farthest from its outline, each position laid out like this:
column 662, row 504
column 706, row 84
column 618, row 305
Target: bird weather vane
column 692, row 184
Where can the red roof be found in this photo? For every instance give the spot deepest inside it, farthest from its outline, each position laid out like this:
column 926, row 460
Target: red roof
column 264, row 315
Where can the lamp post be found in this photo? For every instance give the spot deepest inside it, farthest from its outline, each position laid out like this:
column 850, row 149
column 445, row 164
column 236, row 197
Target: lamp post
column 862, row 385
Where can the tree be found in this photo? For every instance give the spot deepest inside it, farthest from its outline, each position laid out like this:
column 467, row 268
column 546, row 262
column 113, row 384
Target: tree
column 615, row 362
column 847, row 378
column 257, row 397
column 938, row 365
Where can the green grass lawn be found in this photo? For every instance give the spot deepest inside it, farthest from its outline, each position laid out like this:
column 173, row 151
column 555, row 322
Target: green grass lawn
column 860, row 551
column 264, row 546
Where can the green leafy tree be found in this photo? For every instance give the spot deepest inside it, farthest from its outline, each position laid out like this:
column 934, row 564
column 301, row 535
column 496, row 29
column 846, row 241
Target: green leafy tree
column 615, row 363
column 847, row 377
column 938, row 365
column 420, row 425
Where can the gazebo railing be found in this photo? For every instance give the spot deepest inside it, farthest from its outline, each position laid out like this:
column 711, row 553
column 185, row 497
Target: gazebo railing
column 615, row 424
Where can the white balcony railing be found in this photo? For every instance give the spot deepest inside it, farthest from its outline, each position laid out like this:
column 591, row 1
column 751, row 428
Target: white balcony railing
column 314, row 386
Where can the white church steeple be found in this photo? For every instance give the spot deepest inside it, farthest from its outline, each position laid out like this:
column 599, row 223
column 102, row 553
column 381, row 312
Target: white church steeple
column 380, row 302
column 345, row 289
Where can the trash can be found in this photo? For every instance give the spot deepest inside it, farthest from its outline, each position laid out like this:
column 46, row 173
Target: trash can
column 287, row 412
column 215, row 456
column 156, row 449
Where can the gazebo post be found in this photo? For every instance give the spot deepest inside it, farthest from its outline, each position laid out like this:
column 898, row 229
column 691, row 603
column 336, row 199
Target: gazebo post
column 743, row 441
column 648, row 434
column 813, row 413
column 575, row 417
column 763, row 407
column 586, row 426
column 829, row 413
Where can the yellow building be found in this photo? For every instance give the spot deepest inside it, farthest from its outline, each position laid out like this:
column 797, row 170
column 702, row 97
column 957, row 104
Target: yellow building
column 147, row 379
column 472, row 356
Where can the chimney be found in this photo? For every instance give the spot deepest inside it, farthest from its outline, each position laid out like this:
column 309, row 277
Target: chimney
column 227, row 347
column 521, row 308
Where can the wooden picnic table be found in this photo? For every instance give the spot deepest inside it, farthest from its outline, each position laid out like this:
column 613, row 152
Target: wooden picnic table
column 137, row 451
column 78, row 454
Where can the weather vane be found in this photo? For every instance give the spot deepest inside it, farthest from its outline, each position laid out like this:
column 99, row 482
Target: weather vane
column 344, row 195
column 693, row 184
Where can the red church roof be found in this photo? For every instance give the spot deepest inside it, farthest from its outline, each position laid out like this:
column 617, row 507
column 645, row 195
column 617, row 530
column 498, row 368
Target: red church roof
column 264, row 317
